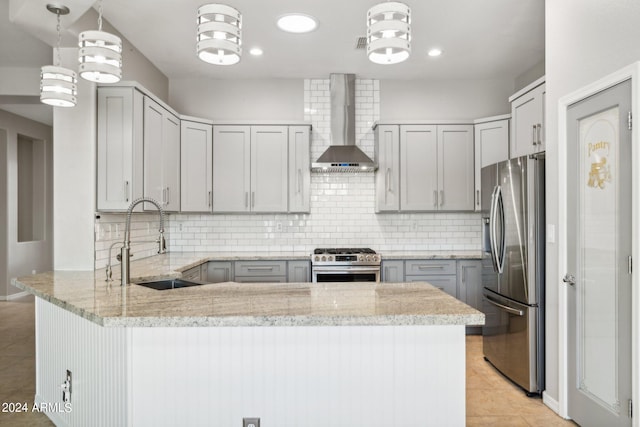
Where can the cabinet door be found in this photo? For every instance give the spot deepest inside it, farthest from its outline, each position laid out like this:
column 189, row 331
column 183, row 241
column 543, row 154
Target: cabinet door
column 154, row 187
column 269, row 168
column 491, row 142
column 387, row 142
column 219, row 271
column 171, row 160
column 299, row 271
column 119, row 148
column 542, row 94
column 527, row 122
column 470, row 282
column 419, row 168
column 444, row 283
column 196, row 167
column 193, row 274
column 231, row 168
column 392, row 271
column 456, row 168
column 299, row 169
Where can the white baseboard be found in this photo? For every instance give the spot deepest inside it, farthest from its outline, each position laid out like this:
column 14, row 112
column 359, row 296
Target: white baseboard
column 14, row 296
column 552, row 404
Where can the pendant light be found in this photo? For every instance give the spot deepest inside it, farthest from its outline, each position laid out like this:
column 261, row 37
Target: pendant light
column 100, row 54
column 389, row 33
column 219, row 37
column 58, row 84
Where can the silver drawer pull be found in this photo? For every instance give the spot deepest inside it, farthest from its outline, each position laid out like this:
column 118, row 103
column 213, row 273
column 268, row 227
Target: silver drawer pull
column 430, row 267
column 505, row 308
column 260, row 268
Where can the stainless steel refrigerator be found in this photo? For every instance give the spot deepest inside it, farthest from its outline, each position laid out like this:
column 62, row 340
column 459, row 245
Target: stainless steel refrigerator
column 513, row 233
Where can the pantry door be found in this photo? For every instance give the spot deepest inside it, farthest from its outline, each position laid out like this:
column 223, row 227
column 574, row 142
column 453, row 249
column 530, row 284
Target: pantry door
column 598, row 276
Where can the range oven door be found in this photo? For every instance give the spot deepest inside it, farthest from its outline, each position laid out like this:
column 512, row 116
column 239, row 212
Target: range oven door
column 349, row 273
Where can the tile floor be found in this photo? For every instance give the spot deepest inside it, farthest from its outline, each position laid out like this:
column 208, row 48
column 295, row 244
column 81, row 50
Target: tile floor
column 491, row 399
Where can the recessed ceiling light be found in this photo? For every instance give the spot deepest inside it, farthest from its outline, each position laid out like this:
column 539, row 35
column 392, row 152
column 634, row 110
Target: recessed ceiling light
column 297, row 23
column 255, row 51
column 435, row 52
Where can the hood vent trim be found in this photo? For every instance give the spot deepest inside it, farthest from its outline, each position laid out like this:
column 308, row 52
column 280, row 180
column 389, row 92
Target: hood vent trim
column 343, row 155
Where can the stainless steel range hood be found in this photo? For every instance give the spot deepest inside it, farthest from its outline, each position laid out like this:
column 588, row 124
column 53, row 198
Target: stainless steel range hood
column 343, row 155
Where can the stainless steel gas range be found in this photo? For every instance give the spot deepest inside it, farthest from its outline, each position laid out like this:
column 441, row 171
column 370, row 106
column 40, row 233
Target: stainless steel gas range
column 345, row 265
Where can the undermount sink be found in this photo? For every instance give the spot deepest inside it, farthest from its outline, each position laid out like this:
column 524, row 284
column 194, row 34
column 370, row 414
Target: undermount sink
column 164, row 284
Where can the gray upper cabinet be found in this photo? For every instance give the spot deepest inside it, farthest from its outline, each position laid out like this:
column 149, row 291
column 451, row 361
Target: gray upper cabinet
column 418, row 168
column 491, row 146
column 528, row 120
column 455, row 168
column 119, row 147
column 261, row 168
column 269, row 169
column 299, row 167
column 231, row 168
column 196, row 171
column 387, row 153
column 161, row 155
column 436, row 169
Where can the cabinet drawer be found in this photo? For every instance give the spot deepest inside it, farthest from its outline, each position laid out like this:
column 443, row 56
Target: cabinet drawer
column 260, row 268
column 261, row 279
column 430, row 267
column 444, row 283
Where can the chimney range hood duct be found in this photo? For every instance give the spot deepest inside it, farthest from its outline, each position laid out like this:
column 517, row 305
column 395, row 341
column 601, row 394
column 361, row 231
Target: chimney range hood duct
column 343, row 155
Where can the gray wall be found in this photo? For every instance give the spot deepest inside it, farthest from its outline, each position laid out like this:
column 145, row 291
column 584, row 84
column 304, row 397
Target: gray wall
column 444, row 99
column 268, row 99
column 21, row 258
column 585, row 41
column 282, row 99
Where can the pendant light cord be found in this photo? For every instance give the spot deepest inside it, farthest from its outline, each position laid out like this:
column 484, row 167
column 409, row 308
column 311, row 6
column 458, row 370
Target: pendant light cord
column 58, row 59
column 100, row 15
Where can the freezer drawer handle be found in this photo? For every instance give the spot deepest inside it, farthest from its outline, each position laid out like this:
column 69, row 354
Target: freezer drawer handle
column 505, row 308
column 570, row 279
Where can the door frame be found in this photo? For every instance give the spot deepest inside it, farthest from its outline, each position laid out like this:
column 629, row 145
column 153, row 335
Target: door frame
column 629, row 72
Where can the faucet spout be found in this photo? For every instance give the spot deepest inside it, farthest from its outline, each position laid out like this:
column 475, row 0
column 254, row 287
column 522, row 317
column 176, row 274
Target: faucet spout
column 125, row 251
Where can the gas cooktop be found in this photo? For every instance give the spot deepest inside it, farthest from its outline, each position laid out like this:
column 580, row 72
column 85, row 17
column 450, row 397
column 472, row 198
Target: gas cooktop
column 343, row 251
column 345, row 256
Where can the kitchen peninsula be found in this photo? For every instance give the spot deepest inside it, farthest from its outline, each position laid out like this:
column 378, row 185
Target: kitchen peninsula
column 313, row 354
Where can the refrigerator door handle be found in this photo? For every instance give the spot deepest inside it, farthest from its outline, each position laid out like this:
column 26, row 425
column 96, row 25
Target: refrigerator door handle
column 505, row 308
column 492, row 229
column 501, row 250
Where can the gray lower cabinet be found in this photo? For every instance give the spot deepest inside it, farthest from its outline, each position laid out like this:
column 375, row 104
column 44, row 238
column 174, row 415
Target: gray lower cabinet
column 219, row 271
column 260, row 271
column 299, row 271
column 193, row 274
column 440, row 273
column 392, row 271
column 470, row 287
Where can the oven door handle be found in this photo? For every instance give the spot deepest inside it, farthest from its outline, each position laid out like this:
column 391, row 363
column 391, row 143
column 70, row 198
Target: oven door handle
column 346, row 268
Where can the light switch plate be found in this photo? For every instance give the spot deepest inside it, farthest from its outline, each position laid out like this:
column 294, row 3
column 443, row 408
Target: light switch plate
column 551, row 233
column 251, row 422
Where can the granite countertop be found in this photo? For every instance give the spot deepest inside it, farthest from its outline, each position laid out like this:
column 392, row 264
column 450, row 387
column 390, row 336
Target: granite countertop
column 389, row 255
column 89, row 295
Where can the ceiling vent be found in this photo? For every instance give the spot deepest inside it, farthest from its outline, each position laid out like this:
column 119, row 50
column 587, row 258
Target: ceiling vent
column 361, row 43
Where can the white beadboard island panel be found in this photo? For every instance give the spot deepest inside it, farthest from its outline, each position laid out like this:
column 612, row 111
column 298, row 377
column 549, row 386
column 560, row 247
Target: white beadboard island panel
column 97, row 359
column 299, row 376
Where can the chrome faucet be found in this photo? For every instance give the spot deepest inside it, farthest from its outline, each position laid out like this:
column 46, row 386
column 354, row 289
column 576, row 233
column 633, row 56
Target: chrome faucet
column 125, row 251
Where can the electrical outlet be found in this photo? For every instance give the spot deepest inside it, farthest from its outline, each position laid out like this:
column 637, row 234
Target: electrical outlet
column 278, row 226
column 66, row 388
column 251, row 422
column 414, row 226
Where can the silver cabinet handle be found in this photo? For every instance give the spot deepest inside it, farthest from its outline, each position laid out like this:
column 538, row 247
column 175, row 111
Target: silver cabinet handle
column 569, row 279
column 389, row 180
column 210, row 198
column 260, row 268
column 430, row 267
column 533, row 135
column 539, row 131
column 478, row 197
column 253, row 199
column 164, row 196
column 505, row 308
column 168, row 196
column 441, row 197
column 126, row 191
column 435, row 198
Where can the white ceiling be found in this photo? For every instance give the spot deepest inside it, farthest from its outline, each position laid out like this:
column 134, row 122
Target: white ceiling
column 480, row 39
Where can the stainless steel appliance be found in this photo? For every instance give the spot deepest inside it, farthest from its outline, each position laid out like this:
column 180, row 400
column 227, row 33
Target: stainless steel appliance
column 345, row 265
column 513, row 269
